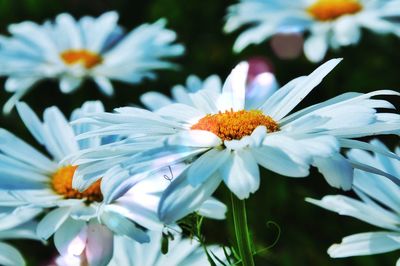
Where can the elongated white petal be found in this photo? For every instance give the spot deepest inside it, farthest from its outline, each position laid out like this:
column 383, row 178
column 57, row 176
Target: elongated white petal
column 99, row 247
column 195, row 138
column 122, row 226
column 337, row 171
column 301, row 90
column 234, row 89
column 71, row 237
column 365, row 244
column 180, row 198
column 154, row 100
column 241, row 174
column 10, row 256
column 52, row 222
column 350, row 207
column 206, row 165
column 213, row 209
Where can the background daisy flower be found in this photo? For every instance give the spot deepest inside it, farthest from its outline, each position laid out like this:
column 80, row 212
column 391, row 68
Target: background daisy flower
column 71, row 51
column 329, row 23
column 378, row 205
column 223, row 141
column 261, row 83
column 181, row 252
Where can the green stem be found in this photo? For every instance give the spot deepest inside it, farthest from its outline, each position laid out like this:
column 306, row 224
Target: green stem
column 241, row 230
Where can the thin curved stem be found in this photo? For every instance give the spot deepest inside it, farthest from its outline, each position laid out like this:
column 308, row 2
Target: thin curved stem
column 241, row 231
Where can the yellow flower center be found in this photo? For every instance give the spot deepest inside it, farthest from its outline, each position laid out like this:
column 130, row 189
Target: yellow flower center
column 325, row 10
column 62, row 184
column 231, row 125
column 86, row 58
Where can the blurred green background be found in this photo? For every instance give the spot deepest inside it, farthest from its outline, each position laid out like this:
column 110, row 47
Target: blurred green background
column 306, row 231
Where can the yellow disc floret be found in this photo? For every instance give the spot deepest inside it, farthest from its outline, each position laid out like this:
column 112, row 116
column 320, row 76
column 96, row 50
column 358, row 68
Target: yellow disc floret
column 86, row 58
column 231, row 124
column 62, row 184
column 326, row 10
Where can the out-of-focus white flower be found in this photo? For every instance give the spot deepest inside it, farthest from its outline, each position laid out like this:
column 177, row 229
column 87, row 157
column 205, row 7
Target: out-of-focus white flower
column 261, row 84
column 71, row 51
column 181, row 252
column 378, row 204
column 221, row 140
column 329, row 23
column 15, row 224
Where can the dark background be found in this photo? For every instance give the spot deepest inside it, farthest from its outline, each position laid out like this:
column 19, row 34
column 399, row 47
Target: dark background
column 306, row 231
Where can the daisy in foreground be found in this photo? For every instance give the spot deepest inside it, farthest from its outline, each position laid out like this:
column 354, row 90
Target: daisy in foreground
column 330, row 23
column 71, row 51
column 182, row 252
column 82, row 222
column 224, row 142
column 379, row 205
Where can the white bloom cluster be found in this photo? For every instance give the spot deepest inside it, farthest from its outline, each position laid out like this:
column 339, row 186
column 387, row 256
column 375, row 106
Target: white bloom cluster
column 112, row 188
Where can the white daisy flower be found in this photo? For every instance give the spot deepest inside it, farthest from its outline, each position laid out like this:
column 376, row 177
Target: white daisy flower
column 223, row 141
column 82, row 222
column 329, row 23
column 181, row 252
column 15, row 224
column 378, row 205
column 71, row 51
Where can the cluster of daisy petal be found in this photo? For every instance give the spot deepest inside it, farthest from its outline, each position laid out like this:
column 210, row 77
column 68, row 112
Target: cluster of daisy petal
column 110, row 188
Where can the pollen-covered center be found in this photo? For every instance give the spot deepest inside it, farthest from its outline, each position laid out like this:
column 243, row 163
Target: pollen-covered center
column 87, row 58
column 62, row 184
column 231, row 125
column 325, row 10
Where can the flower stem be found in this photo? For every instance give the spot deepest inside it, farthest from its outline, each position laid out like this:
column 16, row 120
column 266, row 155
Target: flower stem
column 241, row 230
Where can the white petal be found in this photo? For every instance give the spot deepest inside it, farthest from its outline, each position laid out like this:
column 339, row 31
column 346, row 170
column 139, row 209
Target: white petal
column 154, row 100
column 15, row 147
column 69, row 84
column 71, row 237
column 234, row 89
column 213, row 209
column 99, row 248
column 365, row 244
column 10, row 256
column 122, row 226
column 300, row 91
column 315, row 47
column 337, row 171
column 275, row 159
column 346, row 31
column 105, row 85
column 52, row 222
column 31, row 121
column 195, row 138
column 61, row 138
column 241, row 173
column 180, row 198
column 206, row 165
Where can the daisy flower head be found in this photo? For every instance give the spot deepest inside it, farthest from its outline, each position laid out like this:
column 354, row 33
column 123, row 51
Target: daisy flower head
column 72, row 50
column 378, row 204
column 15, row 224
column 328, row 23
column 222, row 141
column 84, row 223
column 181, row 252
